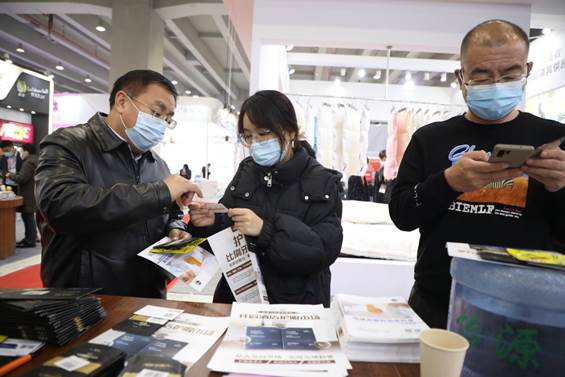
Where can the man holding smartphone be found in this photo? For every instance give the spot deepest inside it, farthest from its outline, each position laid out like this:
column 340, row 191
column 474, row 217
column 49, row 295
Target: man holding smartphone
column 446, row 185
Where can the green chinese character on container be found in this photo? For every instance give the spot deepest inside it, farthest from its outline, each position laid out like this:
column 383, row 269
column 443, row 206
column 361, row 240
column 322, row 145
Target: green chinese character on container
column 518, row 346
column 470, row 328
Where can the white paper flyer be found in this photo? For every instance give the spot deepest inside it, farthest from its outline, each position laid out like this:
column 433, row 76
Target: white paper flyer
column 198, row 263
column 239, row 266
column 199, row 332
column 280, row 340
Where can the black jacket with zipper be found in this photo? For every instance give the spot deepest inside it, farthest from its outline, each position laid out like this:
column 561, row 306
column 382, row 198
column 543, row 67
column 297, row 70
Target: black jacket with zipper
column 300, row 204
column 98, row 208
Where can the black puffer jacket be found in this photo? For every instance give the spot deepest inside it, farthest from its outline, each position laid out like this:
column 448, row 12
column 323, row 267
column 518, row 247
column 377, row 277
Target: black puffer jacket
column 300, row 204
column 98, row 208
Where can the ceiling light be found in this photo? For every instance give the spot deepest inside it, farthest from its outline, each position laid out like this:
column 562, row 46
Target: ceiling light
column 546, row 31
column 232, row 107
column 343, row 72
column 291, row 71
column 337, row 81
column 174, row 82
column 362, row 73
column 20, row 49
column 59, row 67
column 377, row 75
column 8, row 106
column 100, row 27
column 427, row 76
column 289, row 47
column 187, row 92
column 453, row 84
column 32, row 112
column 21, row 109
column 443, row 77
column 408, row 76
column 87, row 79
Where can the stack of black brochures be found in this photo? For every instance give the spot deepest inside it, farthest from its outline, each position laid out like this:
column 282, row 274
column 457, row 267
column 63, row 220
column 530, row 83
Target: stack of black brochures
column 54, row 316
column 159, row 365
column 84, row 360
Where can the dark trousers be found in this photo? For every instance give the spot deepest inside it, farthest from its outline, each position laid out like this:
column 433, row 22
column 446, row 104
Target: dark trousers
column 432, row 310
column 30, row 227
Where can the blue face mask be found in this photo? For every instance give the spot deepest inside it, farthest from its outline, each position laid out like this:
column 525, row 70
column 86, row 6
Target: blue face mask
column 267, row 153
column 147, row 132
column 9, row 154
column 495, row 101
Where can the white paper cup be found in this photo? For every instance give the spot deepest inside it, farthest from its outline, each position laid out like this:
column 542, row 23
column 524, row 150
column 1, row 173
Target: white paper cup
column 442, row 353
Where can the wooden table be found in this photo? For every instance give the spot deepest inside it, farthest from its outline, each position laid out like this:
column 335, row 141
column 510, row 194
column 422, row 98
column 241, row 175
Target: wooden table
column 121, row 308
column 8, row 226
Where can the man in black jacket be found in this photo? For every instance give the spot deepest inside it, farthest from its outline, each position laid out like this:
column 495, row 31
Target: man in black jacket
column 24, row 179
column 104, row 196
column 10, row 162
column 448, row 188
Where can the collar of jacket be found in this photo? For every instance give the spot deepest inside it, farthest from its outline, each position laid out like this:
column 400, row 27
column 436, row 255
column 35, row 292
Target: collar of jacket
column 106, row 138
column 290, row 171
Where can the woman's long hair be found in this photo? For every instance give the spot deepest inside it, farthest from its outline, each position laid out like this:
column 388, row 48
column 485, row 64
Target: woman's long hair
column 272, row 110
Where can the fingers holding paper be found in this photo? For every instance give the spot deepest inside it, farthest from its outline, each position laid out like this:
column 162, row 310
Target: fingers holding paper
column 246, row 221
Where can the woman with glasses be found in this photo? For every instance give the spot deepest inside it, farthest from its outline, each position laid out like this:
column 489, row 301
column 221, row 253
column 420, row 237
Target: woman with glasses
column 284, row 201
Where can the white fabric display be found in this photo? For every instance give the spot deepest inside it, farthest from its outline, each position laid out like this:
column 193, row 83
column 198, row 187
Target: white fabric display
column 358, row 212
column 352, row 142
column 365, row 125
column 340, row 115
column 300, row 117
column 325, row 136
column 310, row 126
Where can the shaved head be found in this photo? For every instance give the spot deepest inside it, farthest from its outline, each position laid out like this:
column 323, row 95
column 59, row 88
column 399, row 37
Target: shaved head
column 494, row 33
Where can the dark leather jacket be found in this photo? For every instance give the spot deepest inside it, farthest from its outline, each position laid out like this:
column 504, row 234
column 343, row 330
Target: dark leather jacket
column 98, row 208
column 300, row 204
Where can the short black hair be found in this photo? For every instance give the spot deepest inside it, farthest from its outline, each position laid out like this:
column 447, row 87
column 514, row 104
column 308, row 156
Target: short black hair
column 6, row 144
column 29, row 148
column 513, row 28
column 382, row 154
column 135, row 81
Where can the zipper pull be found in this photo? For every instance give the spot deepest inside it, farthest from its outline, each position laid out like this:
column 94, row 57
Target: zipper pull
column 269, row 178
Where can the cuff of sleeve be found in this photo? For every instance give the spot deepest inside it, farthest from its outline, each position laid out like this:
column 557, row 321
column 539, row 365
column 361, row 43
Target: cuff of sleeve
column 436, row 191
column 177, row 224
column 266, row 234
column 163, row 197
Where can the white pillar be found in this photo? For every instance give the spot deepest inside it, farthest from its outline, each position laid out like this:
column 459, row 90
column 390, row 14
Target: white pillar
column 137, row 37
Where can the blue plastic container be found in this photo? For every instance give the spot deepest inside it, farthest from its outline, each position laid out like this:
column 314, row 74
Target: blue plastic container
column 512, row 316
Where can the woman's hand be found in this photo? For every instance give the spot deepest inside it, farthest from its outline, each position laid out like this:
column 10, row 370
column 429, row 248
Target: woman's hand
column 246, row 221
column 201, row 217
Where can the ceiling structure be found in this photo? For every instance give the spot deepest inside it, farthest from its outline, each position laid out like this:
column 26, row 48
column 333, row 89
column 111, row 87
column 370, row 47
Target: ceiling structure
column 45, row 36
column 369, row 66
column 196, row 42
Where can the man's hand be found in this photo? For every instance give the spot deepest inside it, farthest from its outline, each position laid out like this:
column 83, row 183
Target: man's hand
column 177, row 234
column 181, row 189
column 200, row 217
column 473, row 172
column 548, row 168
column 246, row 221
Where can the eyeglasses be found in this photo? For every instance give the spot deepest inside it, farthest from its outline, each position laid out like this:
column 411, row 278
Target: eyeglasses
column 248, row 138
column 171, row 123
column 502, row 79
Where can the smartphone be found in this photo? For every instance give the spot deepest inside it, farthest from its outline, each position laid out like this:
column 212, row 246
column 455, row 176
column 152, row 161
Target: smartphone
column 512, row 154
column 517, row 155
